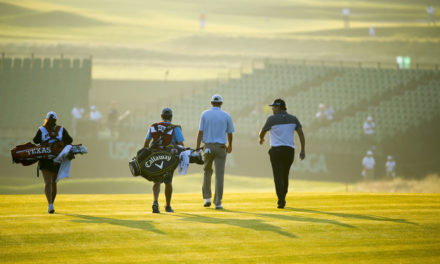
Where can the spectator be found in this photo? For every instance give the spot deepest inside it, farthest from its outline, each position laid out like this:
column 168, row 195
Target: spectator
column 166, row 74
column 95, row 115
column 372, row 31
column 369, row 131
column 325, row 112
column 390, row 168
column 329, row 113
column 321, row 111
column 431, row 15
column 77, row 116
column 202, row 20
column 346, row 16
column 368, row 164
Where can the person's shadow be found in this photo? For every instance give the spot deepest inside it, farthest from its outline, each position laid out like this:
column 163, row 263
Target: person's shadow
column 254, row 224
column 296, row 218
column 136, row 224
column 353, row 216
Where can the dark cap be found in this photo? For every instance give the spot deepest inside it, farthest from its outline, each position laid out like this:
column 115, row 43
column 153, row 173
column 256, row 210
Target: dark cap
column 279, row 102
column 167, row 111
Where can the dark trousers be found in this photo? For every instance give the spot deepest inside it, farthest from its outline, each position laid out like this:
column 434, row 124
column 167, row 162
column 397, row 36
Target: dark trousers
column 281, row 159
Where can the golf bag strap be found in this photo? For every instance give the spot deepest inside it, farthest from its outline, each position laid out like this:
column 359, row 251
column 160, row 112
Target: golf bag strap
column 162, row 139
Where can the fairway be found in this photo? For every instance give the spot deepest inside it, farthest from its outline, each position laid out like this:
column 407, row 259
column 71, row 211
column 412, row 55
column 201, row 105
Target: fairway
column 314, row 228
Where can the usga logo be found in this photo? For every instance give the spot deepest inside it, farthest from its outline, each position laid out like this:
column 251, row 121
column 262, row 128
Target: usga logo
column 42, row 150
column 153, row 159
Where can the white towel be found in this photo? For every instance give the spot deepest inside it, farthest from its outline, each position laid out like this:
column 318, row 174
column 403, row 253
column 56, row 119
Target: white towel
column 64, row 170
column 183, row 162
column 63, row 154
column 64, row 161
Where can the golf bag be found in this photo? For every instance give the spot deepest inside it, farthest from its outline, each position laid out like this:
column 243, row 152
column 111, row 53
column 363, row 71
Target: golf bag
column 28, row 153
column 154, row 164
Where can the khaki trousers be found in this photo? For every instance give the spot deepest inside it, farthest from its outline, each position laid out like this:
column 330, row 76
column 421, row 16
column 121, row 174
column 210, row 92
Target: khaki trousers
column 216, row 154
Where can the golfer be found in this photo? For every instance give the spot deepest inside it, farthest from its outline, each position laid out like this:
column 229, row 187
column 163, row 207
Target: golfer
column 215, row 131
column 282, row 126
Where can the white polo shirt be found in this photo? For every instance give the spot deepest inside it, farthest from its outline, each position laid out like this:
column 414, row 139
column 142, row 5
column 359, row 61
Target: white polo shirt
column 369, row 128
column 282, row 126
column 390, row 164
column 215, row 124
column 368, row 162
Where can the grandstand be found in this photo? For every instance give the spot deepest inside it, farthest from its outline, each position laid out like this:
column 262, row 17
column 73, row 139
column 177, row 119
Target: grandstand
column 393, row 97
column 398, row 99
column 241, row 95
column 31, row 86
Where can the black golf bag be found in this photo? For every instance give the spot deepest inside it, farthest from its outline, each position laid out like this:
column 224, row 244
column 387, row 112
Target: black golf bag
column 153, row 164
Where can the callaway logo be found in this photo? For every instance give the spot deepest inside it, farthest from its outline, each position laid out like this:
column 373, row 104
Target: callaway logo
column 161, row 165
column 153, row 159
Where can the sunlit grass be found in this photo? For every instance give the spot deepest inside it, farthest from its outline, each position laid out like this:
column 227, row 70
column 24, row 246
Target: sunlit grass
column 236, row 31
column 144, row 22
column 182, row 184
column 313, row 228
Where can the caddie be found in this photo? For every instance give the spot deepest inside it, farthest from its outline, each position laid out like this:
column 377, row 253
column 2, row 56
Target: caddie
column 46, row 135
column 161, row 135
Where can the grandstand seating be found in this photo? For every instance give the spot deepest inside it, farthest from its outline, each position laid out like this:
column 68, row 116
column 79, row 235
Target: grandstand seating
column 349, row 89
column 248, row 91
column 398, row 100
column 393, row 97
column 30, row 87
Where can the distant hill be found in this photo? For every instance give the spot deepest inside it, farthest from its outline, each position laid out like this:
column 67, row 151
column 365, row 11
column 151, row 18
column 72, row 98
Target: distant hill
column 31, row 18
column 12, row 10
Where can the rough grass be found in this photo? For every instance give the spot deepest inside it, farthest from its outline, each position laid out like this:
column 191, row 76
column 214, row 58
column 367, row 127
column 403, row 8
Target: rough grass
column 237, row 31
column 430, row 184
column 314, row 228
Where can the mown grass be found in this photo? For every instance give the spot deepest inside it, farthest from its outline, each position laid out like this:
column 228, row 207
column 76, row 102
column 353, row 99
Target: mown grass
column 181, row 184
column 314, row 228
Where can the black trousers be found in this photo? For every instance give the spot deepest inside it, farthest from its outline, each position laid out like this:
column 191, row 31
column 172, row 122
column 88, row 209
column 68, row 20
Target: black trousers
column 281, row 159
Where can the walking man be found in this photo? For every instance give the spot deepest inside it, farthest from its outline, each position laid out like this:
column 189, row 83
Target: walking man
column 282, row 152
column 163, row 134
column 215, row 131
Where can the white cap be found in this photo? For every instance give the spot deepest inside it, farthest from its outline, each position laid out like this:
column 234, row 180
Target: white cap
column 369, row 152
column 390, row 157
column 216, row 98
column 321, row 105
column 370, row 118
column 93, row 107
column 51, row 114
